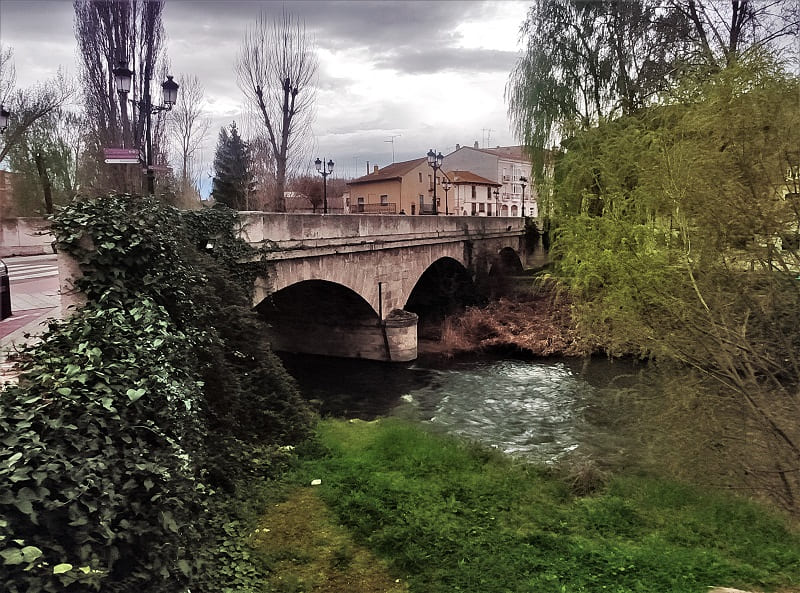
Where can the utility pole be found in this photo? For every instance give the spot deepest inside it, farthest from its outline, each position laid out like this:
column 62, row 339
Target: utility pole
column 391, row 139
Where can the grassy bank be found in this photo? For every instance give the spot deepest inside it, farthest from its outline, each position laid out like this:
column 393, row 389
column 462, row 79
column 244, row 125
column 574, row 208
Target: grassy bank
column 447, row 517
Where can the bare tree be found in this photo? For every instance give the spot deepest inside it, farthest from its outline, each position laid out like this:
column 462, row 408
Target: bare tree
column 188, row 131
column 29, row 105
column 276, row 70
column 109, row 34
column 724, row 31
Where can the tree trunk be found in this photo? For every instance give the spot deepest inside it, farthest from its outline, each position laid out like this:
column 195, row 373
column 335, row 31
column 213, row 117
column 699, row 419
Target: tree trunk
column 44, row 179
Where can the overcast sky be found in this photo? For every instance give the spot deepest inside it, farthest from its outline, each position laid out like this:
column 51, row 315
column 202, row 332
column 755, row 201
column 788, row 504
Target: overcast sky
column 430, row 73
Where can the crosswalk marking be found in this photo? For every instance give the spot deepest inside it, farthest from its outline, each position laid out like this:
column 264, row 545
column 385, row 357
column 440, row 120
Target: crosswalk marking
column 33, row 270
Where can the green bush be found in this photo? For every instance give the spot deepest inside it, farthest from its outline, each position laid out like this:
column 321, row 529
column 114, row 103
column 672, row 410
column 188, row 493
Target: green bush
column 94, row 468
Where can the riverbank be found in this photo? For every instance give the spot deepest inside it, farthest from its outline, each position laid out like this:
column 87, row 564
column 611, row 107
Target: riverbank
column 535, row 320
column 444, row 515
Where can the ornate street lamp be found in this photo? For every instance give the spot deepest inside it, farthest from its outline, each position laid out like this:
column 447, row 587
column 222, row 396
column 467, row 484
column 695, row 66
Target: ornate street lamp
column 496, row 201
column 523, row 181
column 446, row 187
column 4, row 117
column 122, row 79
column 435, row 162
column 327, row 170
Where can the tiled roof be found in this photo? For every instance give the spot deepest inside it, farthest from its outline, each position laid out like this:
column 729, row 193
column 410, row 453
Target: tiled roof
column 509, row 152
column 393, row 171
column 470, row 177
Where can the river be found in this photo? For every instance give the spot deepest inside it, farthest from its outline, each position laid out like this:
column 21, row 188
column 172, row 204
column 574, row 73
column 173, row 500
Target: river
column 542, row 409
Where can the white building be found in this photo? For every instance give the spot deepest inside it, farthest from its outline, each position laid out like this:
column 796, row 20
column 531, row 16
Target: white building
column 473, row 195
column 507, row 166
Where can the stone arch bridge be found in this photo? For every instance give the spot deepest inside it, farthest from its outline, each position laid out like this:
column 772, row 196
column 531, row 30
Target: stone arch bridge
column 346, row 285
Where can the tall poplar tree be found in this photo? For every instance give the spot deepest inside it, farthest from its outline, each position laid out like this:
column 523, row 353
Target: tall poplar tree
column 233, row 183
column 276, row 68
column 108, row 34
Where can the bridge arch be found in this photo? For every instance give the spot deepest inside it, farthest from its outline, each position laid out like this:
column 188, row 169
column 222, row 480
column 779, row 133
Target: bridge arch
column 326, row 318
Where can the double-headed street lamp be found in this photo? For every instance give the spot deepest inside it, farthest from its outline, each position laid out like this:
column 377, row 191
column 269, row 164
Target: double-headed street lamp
column 435, row 162
column 4, row 117
column 122, row 78
column 446, row 185
column 523, row 181
column 324, row 171
column 496, row 201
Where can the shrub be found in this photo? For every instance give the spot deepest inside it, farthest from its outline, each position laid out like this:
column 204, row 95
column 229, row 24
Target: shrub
column 104, row 445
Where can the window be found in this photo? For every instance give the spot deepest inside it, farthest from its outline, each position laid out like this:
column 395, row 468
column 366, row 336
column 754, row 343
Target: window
column 420, row 176
column 474, row 192
column 384, row 199
column 489, row 193
column 488, row 209
column 481, row 207
column 474, row 208
column 360, row 204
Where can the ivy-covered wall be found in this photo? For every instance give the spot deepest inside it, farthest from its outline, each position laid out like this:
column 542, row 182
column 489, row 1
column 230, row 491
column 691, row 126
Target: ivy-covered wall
column 137, row 414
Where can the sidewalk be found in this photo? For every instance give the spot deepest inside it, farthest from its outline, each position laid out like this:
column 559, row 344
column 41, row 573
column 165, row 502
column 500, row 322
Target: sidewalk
column 30, row 315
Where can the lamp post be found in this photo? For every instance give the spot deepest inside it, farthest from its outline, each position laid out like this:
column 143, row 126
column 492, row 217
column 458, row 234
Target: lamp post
column 4, row 117
column 122, row 78
column 435, row 162
column 496, row 201
column 324, row 171
column 446, row 187
column 522, row 182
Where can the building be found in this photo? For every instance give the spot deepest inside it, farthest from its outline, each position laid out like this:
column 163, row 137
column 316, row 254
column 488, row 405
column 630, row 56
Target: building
column 506, row 165
column 399, row 188
column 472, row 195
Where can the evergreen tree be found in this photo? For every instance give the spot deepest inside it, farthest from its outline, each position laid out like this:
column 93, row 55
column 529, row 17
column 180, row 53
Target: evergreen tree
column 233, row 180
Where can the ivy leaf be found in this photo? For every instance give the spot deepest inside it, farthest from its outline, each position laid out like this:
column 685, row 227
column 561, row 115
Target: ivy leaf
column 31, row 553
column 12, row 556
column 135, row 394
column 62, row 568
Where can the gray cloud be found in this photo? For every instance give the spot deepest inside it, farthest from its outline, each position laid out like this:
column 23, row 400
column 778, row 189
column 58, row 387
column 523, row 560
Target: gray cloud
column 450, row 59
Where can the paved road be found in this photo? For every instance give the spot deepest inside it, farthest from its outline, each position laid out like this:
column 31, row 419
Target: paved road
column 35, row 298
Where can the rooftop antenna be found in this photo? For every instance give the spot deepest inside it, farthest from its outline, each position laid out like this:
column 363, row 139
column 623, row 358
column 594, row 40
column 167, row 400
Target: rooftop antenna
column 487, row 137
column 391, row 139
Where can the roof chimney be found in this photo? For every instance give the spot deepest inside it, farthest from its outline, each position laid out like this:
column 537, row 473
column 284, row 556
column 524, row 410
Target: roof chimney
column 375, row 170
column 458, row 146
column 476, row 144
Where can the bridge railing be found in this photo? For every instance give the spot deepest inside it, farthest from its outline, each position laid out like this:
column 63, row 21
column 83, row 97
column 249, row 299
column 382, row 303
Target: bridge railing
column 292, row 230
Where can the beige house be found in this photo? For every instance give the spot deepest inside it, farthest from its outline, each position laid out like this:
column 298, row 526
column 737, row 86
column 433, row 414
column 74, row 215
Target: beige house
column 399, row 188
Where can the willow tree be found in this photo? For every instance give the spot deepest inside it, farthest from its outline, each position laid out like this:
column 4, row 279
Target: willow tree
column 688, row 251
column 276, row 70
column 587, row 61
column 110, row 34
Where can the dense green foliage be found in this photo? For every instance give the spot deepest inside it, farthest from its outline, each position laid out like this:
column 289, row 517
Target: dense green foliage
column 136, row 413
column 453, row 517
column 676, row 230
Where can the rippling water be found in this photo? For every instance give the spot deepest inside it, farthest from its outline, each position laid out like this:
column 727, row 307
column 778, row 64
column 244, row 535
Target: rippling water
column 538, row 409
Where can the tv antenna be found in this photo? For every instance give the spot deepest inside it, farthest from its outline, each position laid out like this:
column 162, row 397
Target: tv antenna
column 487, row 137
column 391, row 140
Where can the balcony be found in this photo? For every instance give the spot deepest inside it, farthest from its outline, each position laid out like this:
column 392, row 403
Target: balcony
column 390, row 208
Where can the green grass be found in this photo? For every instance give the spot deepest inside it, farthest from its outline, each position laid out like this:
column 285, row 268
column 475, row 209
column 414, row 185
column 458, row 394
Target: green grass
column 448, row 516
